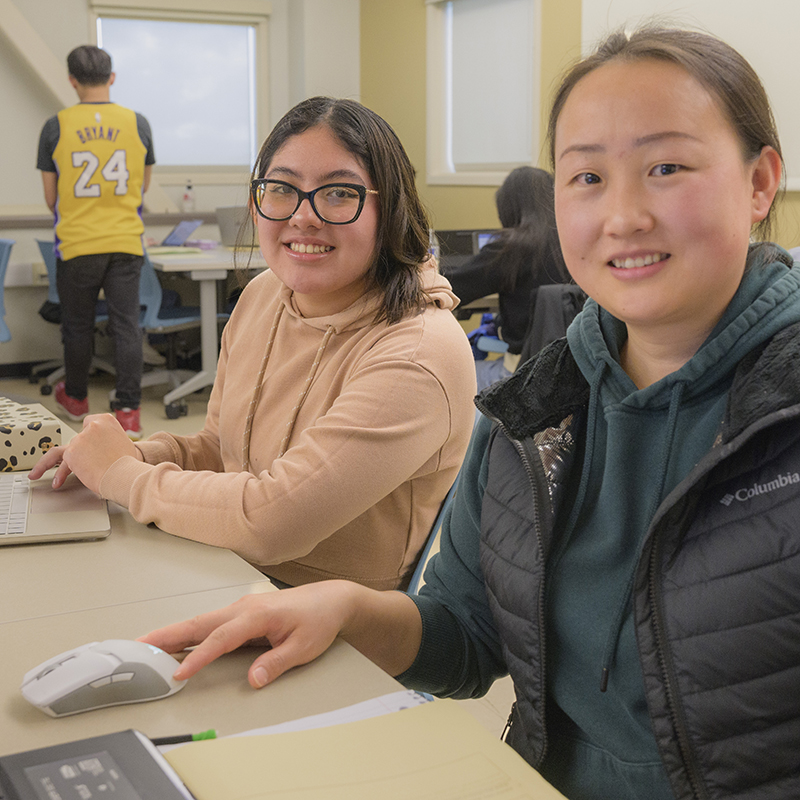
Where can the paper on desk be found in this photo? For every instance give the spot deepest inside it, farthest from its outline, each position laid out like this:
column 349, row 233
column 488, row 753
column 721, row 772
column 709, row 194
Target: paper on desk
column 435, row 751
column 386, row 704
column 172, row 250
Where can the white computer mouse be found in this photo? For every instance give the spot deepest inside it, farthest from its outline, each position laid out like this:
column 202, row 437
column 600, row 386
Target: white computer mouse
column 101, row 674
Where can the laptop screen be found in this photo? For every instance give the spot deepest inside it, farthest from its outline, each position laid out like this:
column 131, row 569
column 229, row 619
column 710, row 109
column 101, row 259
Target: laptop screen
column 181, row 232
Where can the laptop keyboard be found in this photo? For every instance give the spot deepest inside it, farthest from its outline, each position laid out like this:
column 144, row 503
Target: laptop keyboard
column 14, row 502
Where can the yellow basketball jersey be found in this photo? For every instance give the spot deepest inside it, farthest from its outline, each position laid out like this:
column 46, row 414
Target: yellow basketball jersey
column 100, row 162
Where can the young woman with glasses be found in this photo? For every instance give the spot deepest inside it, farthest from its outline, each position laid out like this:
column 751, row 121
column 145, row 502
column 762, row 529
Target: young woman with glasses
column 342, row 406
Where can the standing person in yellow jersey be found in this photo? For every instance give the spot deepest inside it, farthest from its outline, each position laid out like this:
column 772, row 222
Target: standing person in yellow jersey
column 96, row 158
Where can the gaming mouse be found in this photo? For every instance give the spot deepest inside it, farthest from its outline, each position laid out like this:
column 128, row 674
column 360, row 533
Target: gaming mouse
column 101, row 674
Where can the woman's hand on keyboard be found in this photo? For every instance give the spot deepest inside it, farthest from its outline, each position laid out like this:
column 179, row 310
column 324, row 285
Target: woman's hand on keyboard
column 89, row 454
column 50, row 459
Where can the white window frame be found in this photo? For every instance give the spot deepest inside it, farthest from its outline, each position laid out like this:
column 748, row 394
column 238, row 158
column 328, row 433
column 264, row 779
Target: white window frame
column 242, row 12
column 440, row 168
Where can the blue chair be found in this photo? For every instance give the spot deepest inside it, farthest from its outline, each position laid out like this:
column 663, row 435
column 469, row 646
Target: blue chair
column 5, row 253
column 168, row 321
column 491, row 344
column 433, row 537
column 53, row 371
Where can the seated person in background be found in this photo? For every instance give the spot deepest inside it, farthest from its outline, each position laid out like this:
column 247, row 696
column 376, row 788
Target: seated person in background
column 342, row 406
column 524, row 255
column 624, row 540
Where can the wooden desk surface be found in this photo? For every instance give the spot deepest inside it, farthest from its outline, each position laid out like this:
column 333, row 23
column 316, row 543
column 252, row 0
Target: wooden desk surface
column 218, row 697
column 134, row 563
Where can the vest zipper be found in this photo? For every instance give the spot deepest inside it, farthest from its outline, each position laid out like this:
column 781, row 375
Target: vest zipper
column 507, row 729
column 532, row 478
column 712, row 460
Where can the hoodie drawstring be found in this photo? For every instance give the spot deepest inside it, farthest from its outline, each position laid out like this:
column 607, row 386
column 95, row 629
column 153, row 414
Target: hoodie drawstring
column 591, row 421
column 248, row 424
column 306, row 386
column 616, row 626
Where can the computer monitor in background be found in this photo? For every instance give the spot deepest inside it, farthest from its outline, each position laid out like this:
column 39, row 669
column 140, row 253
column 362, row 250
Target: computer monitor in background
column 481, row 238
column 230, row 220
column 456, row 247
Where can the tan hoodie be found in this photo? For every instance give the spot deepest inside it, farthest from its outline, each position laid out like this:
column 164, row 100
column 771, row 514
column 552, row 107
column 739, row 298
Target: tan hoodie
column 358, row 430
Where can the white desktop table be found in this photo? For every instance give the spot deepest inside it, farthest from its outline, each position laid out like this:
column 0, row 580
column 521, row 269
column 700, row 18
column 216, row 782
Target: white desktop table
column 134, row 563
column 59, row 595
column 217, row 697
column 207, row 268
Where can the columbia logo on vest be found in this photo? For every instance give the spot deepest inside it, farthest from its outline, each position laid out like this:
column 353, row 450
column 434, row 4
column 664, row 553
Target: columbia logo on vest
column 761, row 488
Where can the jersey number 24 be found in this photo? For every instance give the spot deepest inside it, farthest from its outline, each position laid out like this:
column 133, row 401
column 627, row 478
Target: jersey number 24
column 115, row 170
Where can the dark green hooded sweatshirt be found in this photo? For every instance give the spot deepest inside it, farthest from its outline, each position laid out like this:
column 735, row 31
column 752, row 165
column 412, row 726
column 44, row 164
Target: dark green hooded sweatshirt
column 640, row 443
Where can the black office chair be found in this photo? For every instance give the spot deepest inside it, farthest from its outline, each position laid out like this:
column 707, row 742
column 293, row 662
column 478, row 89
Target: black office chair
column 555, row 307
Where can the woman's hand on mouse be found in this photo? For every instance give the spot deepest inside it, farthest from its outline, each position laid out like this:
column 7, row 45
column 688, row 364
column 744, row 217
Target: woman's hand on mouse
column 299, row 624
column 89, row 454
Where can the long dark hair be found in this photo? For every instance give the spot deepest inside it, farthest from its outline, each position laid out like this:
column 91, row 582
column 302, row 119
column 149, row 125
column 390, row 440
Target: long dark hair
column 529, row 237
column 403, row 238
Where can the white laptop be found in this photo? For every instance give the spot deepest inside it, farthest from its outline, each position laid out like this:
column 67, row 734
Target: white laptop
column 230, row 220
column 32, row 511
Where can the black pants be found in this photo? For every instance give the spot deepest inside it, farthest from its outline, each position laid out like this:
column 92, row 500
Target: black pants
column 79, row 281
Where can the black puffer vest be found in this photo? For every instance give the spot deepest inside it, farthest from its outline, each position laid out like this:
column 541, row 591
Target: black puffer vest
column 717, row 591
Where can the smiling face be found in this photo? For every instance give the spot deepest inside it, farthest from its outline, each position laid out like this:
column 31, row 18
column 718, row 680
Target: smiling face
column 654, row 201
column 324, row 265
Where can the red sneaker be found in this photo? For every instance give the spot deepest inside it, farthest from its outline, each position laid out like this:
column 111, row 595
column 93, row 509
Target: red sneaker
column 129, row 419
column 76, row 410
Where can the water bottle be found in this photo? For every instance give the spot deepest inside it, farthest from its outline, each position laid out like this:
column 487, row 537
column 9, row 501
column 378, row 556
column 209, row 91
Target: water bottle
column 187, row 202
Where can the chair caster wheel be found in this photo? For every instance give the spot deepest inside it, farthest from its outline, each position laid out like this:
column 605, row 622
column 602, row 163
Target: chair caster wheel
column 175, row 410
column 46, row 389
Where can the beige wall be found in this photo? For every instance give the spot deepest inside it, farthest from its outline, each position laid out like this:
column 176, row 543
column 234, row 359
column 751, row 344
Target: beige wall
column 787, row 229
column 393, row 84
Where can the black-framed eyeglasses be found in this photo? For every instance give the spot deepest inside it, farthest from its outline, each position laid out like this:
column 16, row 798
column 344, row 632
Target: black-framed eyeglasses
column 335, row 203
